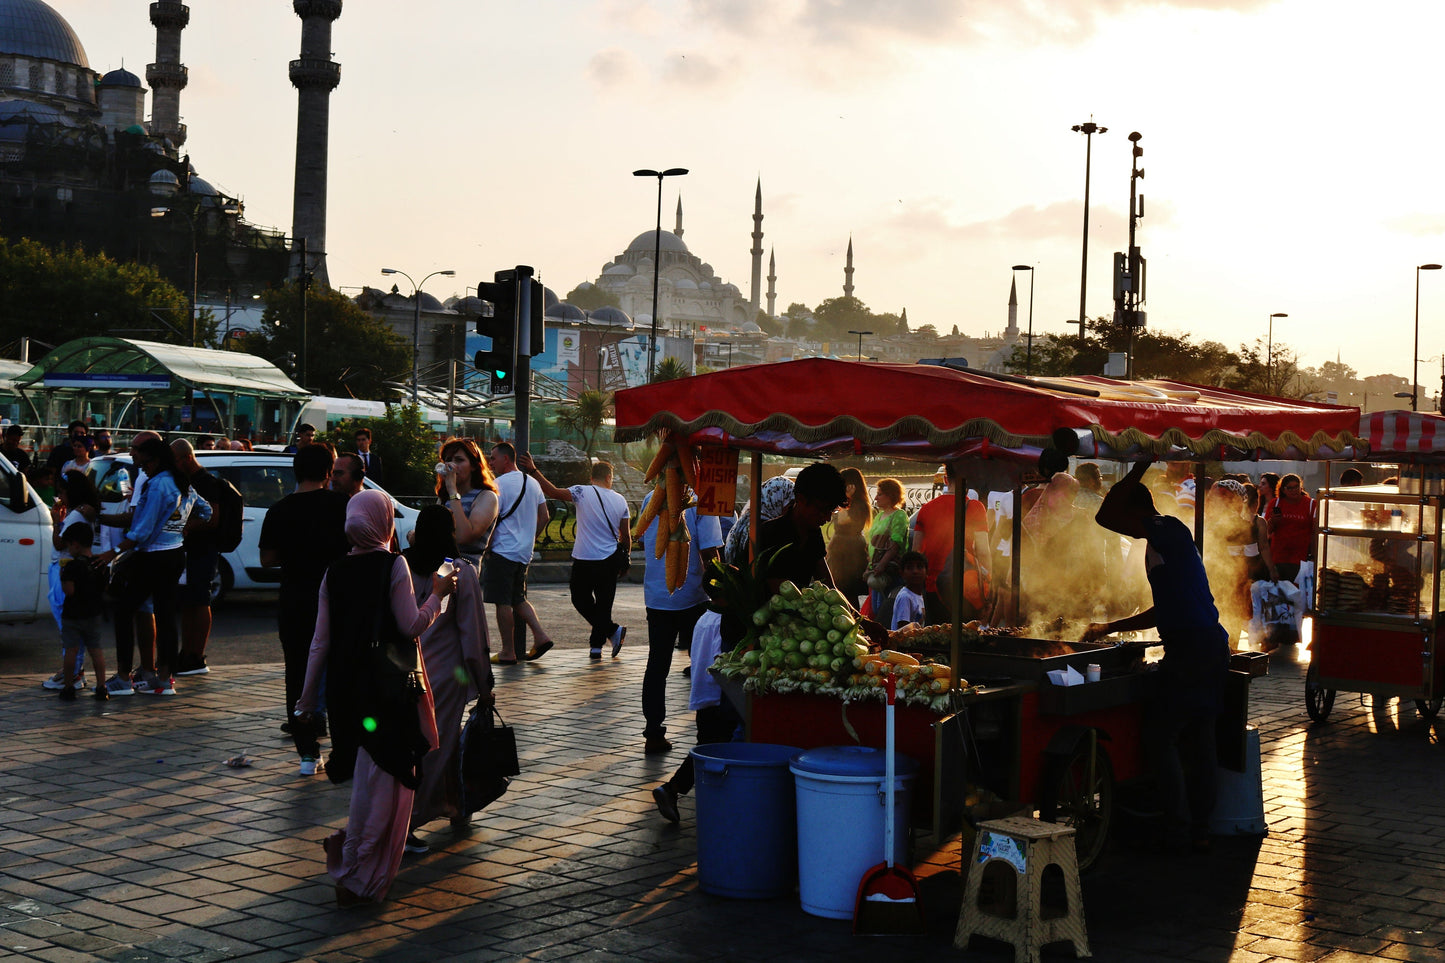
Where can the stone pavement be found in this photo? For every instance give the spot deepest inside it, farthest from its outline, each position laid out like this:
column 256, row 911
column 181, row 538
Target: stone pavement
column 124, row 837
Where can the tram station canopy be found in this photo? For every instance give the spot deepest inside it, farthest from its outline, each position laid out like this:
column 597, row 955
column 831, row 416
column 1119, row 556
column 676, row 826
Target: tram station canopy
column 825, row 407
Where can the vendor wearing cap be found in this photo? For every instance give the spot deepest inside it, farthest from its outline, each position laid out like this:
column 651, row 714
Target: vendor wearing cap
column 1179, row 724
column 817, row 491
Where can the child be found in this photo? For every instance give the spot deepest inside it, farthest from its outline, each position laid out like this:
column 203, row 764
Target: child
column 80, row 615
column 908, row 600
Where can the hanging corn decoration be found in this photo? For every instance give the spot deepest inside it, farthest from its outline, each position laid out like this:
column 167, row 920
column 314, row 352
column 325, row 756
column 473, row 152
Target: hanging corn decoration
column 673, row 472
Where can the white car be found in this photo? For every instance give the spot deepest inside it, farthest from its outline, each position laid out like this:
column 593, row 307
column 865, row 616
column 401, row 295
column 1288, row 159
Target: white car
column 24, row 548
column 263, row 478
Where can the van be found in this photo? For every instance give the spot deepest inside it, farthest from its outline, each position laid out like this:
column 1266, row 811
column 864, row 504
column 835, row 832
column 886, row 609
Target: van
column 24, row 548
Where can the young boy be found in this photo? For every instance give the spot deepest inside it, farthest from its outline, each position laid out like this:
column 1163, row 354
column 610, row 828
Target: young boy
column 80, row 615
column 908, row 600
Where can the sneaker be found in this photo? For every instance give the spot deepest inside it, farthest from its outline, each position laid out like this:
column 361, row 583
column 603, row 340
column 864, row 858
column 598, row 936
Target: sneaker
column 666, row 799
column 618, row 638
column 310, row 766
column 57, row 682
column 594, row 654
column 415, row 845
column 656, row 746
column 152, row 684
column 102, row 693
column 286, row 728
column 67, row 694
column 119, row 687
column 190, row 665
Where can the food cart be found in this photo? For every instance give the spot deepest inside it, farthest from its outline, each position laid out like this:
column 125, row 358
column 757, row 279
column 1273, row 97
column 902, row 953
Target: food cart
column 1377, row 593
column 1000, row 731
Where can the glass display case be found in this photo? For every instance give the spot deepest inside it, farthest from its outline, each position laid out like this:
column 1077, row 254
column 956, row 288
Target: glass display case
column 1377, row 597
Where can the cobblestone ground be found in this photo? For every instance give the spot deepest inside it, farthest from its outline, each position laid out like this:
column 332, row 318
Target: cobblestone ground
column 123, row 836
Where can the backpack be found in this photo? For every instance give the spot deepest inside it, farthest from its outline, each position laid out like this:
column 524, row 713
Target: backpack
column 231, row 507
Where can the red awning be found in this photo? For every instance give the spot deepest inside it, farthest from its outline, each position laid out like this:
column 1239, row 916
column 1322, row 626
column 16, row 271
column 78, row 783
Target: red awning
column 1407, row 435
column 822, row 406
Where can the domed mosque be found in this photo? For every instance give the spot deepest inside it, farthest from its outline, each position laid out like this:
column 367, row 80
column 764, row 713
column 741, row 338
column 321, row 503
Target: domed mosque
column 80, row 164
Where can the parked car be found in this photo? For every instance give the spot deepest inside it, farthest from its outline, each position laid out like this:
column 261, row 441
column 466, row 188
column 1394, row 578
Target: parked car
column 263, row 478
column 24, row 548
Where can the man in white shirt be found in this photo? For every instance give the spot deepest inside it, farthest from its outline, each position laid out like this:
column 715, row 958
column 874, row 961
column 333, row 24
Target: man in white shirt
column 602, row 526
column 523, row 510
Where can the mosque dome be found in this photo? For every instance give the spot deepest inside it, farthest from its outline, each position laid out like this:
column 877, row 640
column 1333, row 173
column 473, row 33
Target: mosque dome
column 199, row 186
column 562, row 311
column 30, row 28
column 616, row 270
column 120, row 77
column 611, row 316
column 549, row 298
column 685, row 284
column 647, row 242
column 164, row 182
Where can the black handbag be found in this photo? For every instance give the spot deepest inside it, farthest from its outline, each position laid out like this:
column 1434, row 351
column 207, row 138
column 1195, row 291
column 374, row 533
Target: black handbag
column 121, row 576
column 488, row 759
column 621, row 558
column 395, row 660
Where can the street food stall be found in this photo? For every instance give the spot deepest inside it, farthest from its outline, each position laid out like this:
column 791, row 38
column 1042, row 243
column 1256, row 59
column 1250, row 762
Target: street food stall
column 1377, row 593
column 981, row 706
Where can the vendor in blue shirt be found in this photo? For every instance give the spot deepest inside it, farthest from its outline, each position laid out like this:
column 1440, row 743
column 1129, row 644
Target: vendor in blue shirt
column 1179, row 722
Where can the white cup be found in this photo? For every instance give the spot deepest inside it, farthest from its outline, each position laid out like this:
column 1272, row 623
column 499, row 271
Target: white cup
column 1091, row 674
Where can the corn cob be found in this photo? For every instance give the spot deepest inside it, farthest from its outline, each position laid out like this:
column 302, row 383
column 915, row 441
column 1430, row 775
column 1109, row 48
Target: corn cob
column 664, row 452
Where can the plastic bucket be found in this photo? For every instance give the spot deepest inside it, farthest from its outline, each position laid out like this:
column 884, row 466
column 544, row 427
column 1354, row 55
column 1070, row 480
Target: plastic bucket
column 746, row 823
column 1239, row 805
column 840, row 822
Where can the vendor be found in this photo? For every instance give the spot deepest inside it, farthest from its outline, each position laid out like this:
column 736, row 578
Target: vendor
column 817, row 491
column 1179, row 725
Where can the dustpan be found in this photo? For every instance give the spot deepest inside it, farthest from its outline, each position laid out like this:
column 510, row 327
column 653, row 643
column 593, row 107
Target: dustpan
column 888, row 898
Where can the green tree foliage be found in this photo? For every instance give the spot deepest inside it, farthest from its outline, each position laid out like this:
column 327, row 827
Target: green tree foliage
column 797, row 320
column 670, row 369
column 770, row 325
column 589, row 297
column 59, row 294
column 351, row 354
column 586, row 416
column 405, row 442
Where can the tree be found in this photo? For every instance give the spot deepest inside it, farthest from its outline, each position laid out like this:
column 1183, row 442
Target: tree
column 798, row 319
column 768, row 323
column 670, row 369
column 587, row 414
column 589, row 297
column 64, row 293
column 350, row 354
column 837, row 316
column 406, row 443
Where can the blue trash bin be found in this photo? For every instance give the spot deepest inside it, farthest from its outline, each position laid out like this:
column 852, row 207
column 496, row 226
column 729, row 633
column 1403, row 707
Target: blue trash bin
column 746, row 820
column 840, row 822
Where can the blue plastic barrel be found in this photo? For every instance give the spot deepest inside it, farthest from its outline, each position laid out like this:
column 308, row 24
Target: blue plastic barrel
column 746, row 820
column 840, row 822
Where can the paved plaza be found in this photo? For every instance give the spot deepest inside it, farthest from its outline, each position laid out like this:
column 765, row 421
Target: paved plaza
column 124, row 836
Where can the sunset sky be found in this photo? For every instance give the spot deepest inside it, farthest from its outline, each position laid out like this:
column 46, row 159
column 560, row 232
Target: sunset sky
column 1292, row 148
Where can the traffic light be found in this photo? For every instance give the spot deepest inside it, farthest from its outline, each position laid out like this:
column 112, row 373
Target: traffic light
column 500, row 362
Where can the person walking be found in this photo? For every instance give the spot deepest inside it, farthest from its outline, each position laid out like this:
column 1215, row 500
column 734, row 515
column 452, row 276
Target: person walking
column 466, row 487
column 365, row 601
column 671, row 616
column 1291, row 519
column 370, row 460
column 303, row 533
column 603, row 524
column 504, row 570
column 455, row 651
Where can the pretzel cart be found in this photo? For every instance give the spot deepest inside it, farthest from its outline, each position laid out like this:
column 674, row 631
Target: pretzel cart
column 1377, row 594
column 998, row 730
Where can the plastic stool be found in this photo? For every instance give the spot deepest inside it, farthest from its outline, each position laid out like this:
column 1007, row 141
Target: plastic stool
column 1014, row 861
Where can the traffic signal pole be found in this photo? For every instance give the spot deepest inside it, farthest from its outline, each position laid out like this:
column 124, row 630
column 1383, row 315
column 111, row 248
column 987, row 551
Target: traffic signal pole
column 522, row 396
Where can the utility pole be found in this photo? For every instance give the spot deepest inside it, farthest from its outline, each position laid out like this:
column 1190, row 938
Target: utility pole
column 1129, row 270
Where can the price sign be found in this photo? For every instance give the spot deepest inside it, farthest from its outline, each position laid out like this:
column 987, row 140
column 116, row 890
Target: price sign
column 717, row 481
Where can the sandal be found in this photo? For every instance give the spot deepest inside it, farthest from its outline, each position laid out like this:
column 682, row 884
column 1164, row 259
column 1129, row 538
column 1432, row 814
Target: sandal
column 537, row 651
column 498, row 660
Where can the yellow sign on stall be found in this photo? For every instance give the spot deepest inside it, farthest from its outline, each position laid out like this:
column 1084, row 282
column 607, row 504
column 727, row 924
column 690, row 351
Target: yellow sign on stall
column 717, row 481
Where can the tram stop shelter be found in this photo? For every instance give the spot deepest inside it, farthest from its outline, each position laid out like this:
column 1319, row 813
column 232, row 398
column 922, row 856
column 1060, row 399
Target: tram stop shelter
column 125, row 383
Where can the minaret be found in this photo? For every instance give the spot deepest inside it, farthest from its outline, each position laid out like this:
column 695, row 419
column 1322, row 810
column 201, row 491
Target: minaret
column 678, row 230
column 848, row 272
column 314, row 75
column 757, row 249
column 168, row 76
column 904, row 319
column 1011, row 333
column 772, row 284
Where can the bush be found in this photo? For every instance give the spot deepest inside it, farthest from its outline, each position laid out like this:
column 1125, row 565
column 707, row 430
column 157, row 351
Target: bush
column 406, row 444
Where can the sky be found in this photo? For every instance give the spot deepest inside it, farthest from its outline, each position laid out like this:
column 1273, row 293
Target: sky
column 1291, row 149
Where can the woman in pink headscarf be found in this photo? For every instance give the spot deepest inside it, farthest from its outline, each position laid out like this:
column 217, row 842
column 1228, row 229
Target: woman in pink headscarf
column 366, row 602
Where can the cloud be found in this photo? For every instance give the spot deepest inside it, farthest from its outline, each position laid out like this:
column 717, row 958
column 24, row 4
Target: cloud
column 695, row 70
column 1417, row 225
column 929, row 220
column 613, row 68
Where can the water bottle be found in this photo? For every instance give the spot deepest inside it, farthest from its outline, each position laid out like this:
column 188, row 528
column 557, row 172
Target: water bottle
column 1397, row 519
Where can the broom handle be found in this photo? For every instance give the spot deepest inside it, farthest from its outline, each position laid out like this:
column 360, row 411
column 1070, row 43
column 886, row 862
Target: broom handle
column 888, row 770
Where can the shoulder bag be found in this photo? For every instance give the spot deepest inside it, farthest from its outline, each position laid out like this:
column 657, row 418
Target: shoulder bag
column 488, row 759
column 621, row 557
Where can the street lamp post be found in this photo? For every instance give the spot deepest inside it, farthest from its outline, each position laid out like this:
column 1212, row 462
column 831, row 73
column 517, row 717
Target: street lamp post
column 1088, row 130
column 1029, row 350
column 1269, row 353
column 416, row 321
column 656, row 260
column 1415, row 355
column 860, row 341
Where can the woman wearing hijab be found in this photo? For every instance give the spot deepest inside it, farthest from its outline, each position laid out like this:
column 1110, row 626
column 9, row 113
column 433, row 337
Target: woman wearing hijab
column 367, row 597
column 454, row 650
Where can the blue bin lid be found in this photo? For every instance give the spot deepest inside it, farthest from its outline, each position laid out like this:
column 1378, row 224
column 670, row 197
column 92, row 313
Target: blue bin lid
column 862, row 761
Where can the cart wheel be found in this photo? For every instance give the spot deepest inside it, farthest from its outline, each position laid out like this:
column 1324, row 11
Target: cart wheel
column 1318, row 701
column 1429, row 709
column 1068, row 798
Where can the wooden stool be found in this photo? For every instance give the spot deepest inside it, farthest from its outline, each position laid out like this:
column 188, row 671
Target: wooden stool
column 1013, row 861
